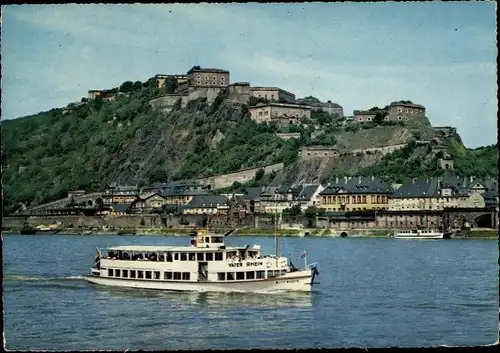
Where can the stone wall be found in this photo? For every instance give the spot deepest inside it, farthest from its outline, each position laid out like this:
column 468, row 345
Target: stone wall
column 384, row 150
column 226, row 180
column 307, row 153
column 165, row 103
column 239, row 92
column 289, row 135
column 210, row 93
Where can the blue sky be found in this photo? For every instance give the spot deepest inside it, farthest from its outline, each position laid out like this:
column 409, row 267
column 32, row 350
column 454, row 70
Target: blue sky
column 360, row 55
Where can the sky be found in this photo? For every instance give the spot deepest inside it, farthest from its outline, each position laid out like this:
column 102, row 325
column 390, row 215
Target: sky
column 360, row 55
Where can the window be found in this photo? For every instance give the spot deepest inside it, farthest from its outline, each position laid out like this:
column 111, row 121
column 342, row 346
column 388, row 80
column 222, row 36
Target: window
column 240, row 276
column 157, row 275
column 117, row 273
column 161, row 258
column 209, row 256
column 399, row 118
column 167, row 275
column 270, row 274
column 110, row 272
column 199, row 256
column 125, row 273
column 185, row 276
column 221, row 276
column 176, row 256
column 148, row 274
column 169, row 257
column 230, row 276
column 132, row 273
column 183, row 256
column 218, row 256
column 140, row 274
column 251, row 275
column 261, row 274
column 177, row 275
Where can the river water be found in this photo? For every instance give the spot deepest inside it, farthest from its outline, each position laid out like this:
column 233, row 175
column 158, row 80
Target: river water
column 372, row 293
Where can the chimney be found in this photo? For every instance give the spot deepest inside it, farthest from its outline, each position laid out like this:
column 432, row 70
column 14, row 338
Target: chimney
column 471, row 179
column 413, row 180
column 373, row 178
column 336, row 180
column 359, row 180
column 345, row 180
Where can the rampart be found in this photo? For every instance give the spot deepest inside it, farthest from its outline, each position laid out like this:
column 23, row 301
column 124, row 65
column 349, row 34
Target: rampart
column 165, row 103
column 243, row 176
column 307, row 153
column 288, row 135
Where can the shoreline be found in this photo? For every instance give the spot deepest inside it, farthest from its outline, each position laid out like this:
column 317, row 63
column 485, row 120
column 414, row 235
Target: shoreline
column 255, row 232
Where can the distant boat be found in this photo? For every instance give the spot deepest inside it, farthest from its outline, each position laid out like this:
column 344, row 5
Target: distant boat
column 86, row 232
column 418, row 234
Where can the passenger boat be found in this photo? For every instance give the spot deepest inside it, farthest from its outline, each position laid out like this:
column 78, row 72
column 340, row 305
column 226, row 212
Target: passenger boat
column 418, row 234
column 207, row 265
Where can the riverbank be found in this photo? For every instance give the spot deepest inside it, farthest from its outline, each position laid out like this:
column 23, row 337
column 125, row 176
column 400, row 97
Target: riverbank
column 257, row 232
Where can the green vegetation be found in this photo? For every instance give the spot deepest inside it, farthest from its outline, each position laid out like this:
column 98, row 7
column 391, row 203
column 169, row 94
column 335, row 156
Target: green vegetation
column 93, row 143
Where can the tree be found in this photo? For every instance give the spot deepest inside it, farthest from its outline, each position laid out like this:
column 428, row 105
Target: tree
column 259, row 174
column 379, row 117
column 127, row 86
column 170, row 85
column 137, row 86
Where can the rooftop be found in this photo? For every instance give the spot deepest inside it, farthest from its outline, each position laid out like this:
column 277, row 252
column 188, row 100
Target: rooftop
column 208, row 70
column 407, row 105
column 286, row 105
column 271, row 89
column 357, row 185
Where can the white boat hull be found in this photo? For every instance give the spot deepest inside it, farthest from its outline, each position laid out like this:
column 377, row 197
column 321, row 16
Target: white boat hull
column 299, row 281
column 418, row 237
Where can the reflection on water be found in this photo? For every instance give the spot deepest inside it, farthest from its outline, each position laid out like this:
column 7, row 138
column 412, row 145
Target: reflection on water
column 285, row 299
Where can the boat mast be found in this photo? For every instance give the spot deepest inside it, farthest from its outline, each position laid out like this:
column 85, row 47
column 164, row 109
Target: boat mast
column 275, row 233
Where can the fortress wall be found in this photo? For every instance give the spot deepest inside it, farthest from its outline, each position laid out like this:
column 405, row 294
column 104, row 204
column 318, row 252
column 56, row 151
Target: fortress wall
column 226, row 180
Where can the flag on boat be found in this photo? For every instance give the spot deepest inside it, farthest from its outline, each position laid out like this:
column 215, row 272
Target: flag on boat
column 303, row 254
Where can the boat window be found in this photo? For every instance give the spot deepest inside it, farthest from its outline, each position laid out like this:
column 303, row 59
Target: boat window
column 221, row 276
column 161, row 258
column 132, row 273
column 199, row 256
column 140, row 274
column 125, row 273
column 117, row 273
column 270, row 274
column 192, row 256
column 167, row 275
column 218, row 256
column 207, row 239
column 148, row 274
column 110, row 272
column 185, row 276
column 176, row 256
column 230, row 254
column 217, row 240
column 253, row 254
column 250, row 275
column 157, row 275
column 177, row 275
column 230, row 276
column 261, row 274
column 169, row 257
column 240, row 276
column 183, row 256
column 209, row 256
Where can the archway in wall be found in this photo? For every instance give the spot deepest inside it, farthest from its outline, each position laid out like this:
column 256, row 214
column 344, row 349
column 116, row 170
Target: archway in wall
column 99, row 202
column 291, row 122
column 343, row 234
column 483, row 221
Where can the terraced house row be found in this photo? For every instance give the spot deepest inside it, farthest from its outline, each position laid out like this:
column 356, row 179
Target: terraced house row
column 348, row 194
